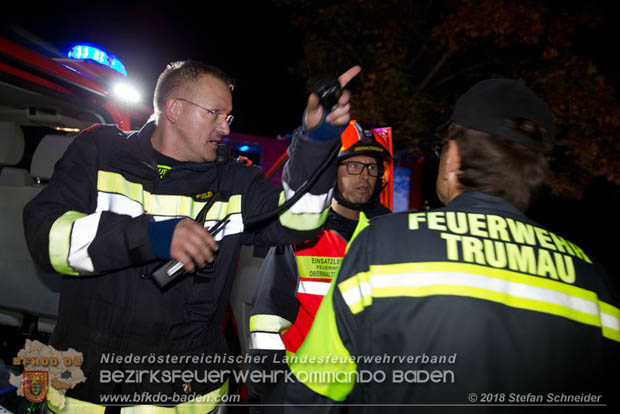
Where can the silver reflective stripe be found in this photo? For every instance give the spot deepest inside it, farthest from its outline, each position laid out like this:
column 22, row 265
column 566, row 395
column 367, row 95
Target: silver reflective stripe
column 308, row 203
column 313, row 288
column 164, row 218
column 514, row 289
column 610, row 321
column 234, row 226
column 266, row 340
column 118, row 203
column 121, row 204
column 82, row 235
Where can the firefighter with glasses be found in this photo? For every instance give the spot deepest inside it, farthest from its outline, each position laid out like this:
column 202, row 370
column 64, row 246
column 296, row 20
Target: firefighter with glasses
column 294, row 278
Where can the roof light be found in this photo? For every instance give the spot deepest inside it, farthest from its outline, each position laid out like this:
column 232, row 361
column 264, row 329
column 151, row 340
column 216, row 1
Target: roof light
column 90, row 52
column 243, row 148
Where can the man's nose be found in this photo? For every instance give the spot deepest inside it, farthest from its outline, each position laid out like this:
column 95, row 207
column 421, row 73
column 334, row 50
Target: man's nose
column 223, row 128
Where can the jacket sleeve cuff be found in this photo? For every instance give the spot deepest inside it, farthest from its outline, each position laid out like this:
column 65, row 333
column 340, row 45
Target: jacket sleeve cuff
column 160, row 236
column 324, row 132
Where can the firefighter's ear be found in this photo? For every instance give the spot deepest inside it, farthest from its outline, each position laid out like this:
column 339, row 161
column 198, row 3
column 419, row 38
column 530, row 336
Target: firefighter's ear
column 453, row 169
column 453, row 158
column 448, row 185
column 173, row 109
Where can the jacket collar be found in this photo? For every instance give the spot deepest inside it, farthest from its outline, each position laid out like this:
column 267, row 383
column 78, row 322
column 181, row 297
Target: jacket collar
column 482, row 201
column 141, row 149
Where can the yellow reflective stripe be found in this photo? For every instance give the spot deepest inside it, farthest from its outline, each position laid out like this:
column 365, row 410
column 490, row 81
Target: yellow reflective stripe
column 60, row 404
column 362, row 223
column 610, row 318
column 162, row 204
column 60, row 242
column 486, row 271
column 356, row 292
column 497, row 285
column 301, row 221
column 222, row 208
column 269, row 323
column 156, row 204
column 490, row 295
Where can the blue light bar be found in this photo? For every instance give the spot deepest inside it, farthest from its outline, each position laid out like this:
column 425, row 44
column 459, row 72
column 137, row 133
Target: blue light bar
column 90, row 52
column 243, row 148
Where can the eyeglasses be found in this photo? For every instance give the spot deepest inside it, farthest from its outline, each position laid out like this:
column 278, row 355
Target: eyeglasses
column 218, row 117
column 357, row 168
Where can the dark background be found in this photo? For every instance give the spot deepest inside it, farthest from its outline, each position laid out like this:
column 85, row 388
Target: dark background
column 255, row 43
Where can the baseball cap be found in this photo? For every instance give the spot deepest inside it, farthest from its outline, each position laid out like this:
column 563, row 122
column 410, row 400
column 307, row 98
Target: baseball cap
column 489, row 105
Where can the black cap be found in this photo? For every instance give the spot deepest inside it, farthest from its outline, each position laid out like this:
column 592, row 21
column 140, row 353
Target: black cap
column 489, row 106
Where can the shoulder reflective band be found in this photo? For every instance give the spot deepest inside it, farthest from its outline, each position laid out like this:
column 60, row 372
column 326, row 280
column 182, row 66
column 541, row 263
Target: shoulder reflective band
column 296, row 219
column 509, row 288
column 308, row 213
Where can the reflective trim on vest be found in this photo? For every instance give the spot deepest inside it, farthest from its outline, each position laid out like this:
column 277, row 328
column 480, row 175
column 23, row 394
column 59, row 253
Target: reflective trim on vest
column 302, row 221
column 60, row 242
column 266, row 340
column 268, row 323
column 313, row 288
column 497, row 285
column 318, row 262
column 201, row 405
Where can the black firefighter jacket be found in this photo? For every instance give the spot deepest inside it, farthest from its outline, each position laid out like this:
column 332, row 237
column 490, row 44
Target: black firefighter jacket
column 90, row 224
column 469, row 308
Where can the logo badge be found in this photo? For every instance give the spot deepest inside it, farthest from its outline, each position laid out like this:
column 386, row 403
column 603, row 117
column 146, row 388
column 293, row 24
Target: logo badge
column 35, row 385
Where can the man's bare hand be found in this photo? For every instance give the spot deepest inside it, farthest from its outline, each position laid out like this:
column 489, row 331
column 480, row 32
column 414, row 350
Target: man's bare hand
column 192, row 245
column 341, row 113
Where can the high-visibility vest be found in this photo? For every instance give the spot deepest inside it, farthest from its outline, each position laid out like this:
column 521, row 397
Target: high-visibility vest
column 318, row 261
